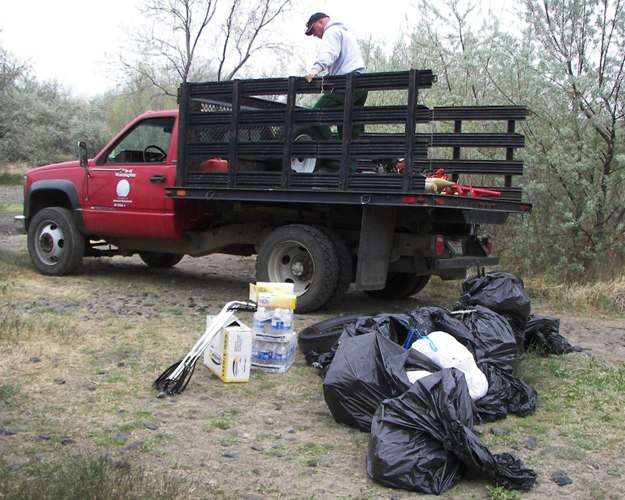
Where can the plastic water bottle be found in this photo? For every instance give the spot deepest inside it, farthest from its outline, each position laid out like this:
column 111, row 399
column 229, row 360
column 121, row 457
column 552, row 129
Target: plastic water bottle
column 282, row 353
column 258, row 324
column 266, row 352
column 277, row 321
column 255, row 351
column 287, row 321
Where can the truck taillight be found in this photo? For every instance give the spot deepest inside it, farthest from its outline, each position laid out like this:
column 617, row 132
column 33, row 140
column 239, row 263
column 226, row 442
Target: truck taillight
column 439, row 244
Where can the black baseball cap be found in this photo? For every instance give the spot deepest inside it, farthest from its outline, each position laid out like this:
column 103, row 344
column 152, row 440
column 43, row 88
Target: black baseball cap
column 313, row 19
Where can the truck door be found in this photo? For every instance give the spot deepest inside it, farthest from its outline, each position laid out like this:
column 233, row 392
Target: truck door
column 125, row 188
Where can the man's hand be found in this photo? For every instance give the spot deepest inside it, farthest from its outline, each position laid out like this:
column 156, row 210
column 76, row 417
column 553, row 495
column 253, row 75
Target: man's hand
column 312, row 72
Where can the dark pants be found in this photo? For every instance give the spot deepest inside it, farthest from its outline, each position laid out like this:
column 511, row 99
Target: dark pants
column 324, row 132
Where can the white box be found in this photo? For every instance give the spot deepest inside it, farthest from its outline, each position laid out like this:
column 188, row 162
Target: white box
column 229, row 354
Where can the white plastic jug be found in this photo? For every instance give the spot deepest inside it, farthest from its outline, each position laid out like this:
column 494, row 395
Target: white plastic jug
column 446, row 352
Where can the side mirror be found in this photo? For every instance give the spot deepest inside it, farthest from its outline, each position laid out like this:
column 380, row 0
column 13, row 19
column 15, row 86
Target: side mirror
column 82, row 154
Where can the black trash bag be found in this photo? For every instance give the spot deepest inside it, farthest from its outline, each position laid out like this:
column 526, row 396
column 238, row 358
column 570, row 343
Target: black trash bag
column 503, row 293
column 496, row 356
column 542, row 335
column 488, row 334
column 507, row 393
column 423, row 440
column 367, row 369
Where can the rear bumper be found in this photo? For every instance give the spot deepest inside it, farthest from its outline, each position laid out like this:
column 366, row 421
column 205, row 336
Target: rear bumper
column 19, row 224
column 463, row 263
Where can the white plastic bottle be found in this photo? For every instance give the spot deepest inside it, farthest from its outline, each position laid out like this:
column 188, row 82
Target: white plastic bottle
column 277, row 321
column 287, row 321
column 255, row 351
column 282, row 353
column 266, row 352
column 258, row 323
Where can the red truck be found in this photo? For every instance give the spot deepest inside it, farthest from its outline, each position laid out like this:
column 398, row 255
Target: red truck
column 233, row 170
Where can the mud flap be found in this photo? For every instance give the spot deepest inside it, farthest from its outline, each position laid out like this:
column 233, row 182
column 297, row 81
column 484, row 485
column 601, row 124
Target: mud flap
column 374, row 249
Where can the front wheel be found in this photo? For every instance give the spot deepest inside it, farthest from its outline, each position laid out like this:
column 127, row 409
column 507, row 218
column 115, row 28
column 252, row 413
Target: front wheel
column 55, row 244
column 161, row 260
column 400, row 286
column 302, row 255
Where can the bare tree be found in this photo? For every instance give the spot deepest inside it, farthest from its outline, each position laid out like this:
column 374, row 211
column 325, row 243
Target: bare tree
column 193, row 39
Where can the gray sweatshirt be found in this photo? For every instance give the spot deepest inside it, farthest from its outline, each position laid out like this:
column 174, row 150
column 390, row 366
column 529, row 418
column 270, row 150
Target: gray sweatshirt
column 339, row 53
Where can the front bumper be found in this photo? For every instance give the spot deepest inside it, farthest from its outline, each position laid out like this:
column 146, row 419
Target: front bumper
column 19, row 224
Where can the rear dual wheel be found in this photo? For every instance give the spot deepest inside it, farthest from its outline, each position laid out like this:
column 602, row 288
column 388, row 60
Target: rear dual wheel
column 400, row 286
column 305, row 256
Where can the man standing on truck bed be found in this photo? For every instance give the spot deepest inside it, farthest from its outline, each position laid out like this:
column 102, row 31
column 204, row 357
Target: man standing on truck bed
column 339, row 55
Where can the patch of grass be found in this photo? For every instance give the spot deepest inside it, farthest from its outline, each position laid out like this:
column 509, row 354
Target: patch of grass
column 107, row 438
column 604, row 298
column 312, row 454
column 278, row 451
column 77, row 478
column 12, row 326
column 7, row 391
column 575, row 393
column 499, row 493
column 228, row 440
column 225, row 419
column 11, row 179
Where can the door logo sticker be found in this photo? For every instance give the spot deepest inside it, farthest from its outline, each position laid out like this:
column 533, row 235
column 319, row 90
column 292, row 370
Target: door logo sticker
column 123, row 188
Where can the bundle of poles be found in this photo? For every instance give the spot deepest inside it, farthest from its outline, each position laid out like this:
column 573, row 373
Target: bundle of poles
column 175, row 379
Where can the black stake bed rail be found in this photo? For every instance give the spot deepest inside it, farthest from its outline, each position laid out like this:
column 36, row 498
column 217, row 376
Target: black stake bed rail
column 237, row 122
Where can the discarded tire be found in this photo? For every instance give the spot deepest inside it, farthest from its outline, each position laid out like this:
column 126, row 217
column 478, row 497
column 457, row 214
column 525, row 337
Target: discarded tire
column 321, row 336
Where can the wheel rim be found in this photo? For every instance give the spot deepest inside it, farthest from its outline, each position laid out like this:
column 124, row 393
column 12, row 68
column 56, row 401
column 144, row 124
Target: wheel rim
column 303, row 165
column 50, row 243
column 290, row 262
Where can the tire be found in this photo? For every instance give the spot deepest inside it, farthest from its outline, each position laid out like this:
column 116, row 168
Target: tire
column 302, row 255
column 303, row 165
column 400, row 286
column 55, row 244
column 160, row 260
column 321, row 336
column 346, row 265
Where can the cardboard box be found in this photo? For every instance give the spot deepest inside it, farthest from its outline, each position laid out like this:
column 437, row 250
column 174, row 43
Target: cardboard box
column 229, row 354
column 269, row 288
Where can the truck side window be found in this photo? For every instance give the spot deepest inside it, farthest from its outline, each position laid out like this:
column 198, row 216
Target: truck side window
column 147, row 142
